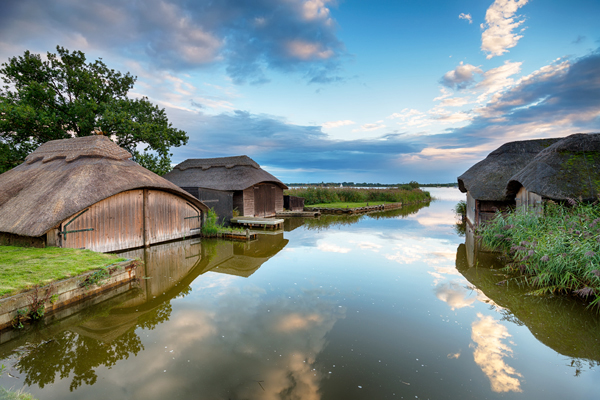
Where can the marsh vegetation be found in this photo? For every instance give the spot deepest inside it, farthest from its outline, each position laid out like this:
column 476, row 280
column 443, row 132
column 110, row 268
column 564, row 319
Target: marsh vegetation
column 351, row 196
column 558, row 252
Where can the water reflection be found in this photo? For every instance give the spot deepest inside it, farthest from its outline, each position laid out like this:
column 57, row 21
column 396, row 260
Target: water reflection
column 564, row 324
column 103, row 335
column 490, row 353
column 327, row 221
column 382, row 307
column 73, row 355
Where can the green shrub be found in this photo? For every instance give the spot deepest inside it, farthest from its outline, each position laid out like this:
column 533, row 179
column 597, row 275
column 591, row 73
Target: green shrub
column 210, row 226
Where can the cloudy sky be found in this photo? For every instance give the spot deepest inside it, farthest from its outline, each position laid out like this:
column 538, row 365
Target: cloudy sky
column 350, row 90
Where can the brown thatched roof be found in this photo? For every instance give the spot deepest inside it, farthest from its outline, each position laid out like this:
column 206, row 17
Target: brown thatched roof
column 225, row 173
column 569, row 169
column 65, row 176
column 487, row 179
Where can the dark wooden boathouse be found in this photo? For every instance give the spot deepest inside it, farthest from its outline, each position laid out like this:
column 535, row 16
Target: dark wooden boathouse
column 229, row 183
column 86, row 193
column 485, row 182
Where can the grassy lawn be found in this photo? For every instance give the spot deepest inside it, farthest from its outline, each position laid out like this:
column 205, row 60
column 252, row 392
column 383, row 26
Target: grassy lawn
column 24, row 267
column 349, row 205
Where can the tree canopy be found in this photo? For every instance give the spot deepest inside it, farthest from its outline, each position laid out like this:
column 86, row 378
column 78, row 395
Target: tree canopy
column 64, row 96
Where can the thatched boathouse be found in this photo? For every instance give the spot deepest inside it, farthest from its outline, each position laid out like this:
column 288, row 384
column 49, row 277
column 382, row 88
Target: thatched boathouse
column 229, row 183
column 485, row 182
column 87, row 193
column 568, row 169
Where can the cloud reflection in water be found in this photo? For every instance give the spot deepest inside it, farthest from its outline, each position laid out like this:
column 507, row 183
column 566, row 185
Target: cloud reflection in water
column 490, row 352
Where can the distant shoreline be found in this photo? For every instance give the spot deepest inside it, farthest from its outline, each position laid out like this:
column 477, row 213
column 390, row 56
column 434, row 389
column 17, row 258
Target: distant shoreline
column 367, row 185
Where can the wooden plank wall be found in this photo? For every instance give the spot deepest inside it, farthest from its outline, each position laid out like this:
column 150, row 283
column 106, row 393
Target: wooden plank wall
column 279, row 199
column 169, row 217
column 529, row 201
column 471, row 209
column 122, row 222
column 116, row 222
column 248, row 202
column 261, row 197
column 268, row 200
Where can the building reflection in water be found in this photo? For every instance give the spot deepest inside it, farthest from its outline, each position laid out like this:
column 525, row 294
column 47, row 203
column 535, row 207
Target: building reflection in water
column 561, row 323
column 102, row 335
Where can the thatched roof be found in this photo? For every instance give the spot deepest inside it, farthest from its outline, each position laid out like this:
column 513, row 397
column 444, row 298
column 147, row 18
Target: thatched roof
column 569, row 169
column 487, row 179
column 225, row 173
column 65, row 176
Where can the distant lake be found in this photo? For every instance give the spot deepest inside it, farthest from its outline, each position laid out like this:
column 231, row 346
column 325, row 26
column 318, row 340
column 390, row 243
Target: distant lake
column 388, row 305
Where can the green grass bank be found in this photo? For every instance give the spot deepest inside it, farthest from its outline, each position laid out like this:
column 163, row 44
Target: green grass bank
column 558, row 252
column 22, row 268
column 326, row 196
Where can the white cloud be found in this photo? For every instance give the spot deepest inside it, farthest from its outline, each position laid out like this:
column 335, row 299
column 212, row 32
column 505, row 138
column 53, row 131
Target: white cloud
column 308, row 51
column 411, row 118
column 451, row 118
column 466, row 16
column 337, row 124
column 462, row 153
column 455, row 102
column 500, row 21
column 497, row 79
column 370, row 127
column 444, row 93
column 314, row 9
column 405, row 114
column 460, row 77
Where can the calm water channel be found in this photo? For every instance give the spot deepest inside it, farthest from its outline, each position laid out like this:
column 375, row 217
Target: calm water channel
column 381, row 306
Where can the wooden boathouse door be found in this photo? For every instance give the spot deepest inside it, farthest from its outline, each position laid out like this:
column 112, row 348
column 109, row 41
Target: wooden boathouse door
column 264, row 200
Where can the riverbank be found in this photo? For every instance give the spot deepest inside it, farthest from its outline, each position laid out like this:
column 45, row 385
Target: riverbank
column 22, row 268
column 324, row 196
column 558, row 252
column 40, row 302
column 350, row 205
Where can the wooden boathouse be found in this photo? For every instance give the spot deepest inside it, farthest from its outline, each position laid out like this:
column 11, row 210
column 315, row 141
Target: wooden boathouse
column 86, row 193
column 229, row 183
column 485, row 182
column 569, row 169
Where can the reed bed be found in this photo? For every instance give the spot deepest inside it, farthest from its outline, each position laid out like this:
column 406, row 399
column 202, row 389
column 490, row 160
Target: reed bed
column 558, row 252
column 323, row 195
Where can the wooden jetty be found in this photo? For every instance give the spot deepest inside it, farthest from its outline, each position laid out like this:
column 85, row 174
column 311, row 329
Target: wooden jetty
column 241, row 236
column 257, row 222
column 305, row 214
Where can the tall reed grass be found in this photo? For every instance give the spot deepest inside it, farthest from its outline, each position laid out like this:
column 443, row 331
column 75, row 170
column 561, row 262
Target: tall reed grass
column 319, row 195
column 558, row 252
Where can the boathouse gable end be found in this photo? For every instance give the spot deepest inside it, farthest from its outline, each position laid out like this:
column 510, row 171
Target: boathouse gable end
column 68, row 183
column 254, row 192
column 486, row 181
column 569, row 169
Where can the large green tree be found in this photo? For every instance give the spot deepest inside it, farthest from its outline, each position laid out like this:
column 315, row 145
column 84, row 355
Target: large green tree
column 65, row 96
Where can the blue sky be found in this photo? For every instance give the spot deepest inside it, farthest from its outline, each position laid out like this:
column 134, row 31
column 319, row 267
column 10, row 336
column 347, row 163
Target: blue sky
column 316, row 90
